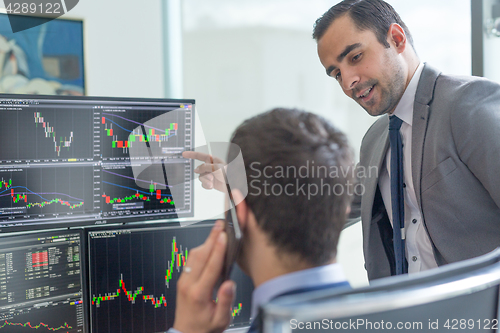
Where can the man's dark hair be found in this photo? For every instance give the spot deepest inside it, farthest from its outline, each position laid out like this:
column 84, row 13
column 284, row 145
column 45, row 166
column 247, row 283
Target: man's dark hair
column 374, row 15
column 313, row 155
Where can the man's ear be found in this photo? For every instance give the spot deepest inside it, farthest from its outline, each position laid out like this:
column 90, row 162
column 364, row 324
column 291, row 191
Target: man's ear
column 397, row 37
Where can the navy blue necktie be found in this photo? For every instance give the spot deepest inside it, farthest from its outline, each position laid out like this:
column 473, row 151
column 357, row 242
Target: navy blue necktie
column 397, row 194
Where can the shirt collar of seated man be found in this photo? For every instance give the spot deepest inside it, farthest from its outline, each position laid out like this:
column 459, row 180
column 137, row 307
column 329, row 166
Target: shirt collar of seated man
column 299, row 177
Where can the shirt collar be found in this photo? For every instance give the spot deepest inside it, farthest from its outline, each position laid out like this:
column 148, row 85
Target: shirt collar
column 316, row 276
column 404, row 109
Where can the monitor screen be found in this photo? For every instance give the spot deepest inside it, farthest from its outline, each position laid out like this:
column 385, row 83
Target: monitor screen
column 41, row 282
column 133, row 274
column 91, row 160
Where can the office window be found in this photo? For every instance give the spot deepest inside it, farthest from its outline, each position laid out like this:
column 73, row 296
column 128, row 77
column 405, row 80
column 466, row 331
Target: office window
column 491, row 47
column 242, row 58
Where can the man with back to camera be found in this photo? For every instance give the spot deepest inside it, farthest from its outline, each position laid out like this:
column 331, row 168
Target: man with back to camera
column 289, row 241
column 444, row 145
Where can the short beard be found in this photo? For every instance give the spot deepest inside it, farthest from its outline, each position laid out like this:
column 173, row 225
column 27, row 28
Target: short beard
column 390, row 95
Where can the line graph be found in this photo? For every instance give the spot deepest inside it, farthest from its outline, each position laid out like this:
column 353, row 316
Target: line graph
column 69, row 318
column 40, row 325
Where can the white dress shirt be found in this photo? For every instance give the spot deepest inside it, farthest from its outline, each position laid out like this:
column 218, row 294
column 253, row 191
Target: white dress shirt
column 419, row 253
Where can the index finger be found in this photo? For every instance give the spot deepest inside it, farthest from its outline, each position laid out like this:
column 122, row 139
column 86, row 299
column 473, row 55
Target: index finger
column 207, row 158
column 196, row 155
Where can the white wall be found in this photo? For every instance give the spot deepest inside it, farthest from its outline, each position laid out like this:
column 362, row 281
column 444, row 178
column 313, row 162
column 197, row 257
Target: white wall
column 123, row 47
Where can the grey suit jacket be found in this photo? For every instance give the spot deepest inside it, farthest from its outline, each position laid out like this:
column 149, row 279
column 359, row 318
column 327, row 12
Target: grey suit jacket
column 455, row 169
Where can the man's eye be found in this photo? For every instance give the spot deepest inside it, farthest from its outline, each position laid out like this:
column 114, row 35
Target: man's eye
column 337, row 76
column 356, row 57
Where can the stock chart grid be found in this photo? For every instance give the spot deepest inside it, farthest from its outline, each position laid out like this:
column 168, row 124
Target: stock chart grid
column 165, row 133
column 133, row 276
column 82, row 161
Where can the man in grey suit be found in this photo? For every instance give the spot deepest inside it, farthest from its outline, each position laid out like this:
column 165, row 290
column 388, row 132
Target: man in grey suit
column 450, row 130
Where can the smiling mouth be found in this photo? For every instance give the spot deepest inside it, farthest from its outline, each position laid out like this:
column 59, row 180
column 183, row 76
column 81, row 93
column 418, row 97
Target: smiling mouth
column 365, row 94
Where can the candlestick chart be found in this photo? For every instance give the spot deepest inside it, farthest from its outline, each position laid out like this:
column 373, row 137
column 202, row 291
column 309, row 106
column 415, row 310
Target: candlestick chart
column 144, row 133
column 152, row 196
column 46, row 134
column 33, row 192
column 134, row 274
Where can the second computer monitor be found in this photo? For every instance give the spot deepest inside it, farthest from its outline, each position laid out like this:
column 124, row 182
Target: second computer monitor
column 133, row 276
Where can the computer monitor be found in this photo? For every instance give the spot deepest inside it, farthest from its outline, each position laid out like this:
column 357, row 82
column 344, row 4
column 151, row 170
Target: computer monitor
column 41, row 282
column 133, row 274
column 69, row 161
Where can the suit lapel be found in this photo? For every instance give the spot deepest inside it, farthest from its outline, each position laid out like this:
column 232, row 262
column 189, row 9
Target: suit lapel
column 420, row 117
column 371, row 182
column 421, row 113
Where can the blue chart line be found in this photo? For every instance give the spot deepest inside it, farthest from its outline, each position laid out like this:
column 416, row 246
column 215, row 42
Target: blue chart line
column 134, row 189
column 23, row 198
column 126, row 130
column 135, row 179
column 132, row 121
column 123, row 128
column 37, row 194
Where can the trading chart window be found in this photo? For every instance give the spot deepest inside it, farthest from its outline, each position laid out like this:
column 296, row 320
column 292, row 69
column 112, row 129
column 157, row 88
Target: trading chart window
column 82, row 160
column 40, row 275
column 133, row 275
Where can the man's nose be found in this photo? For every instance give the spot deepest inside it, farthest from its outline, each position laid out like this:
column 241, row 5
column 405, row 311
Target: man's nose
column 349, row 80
